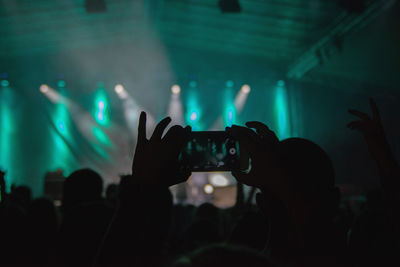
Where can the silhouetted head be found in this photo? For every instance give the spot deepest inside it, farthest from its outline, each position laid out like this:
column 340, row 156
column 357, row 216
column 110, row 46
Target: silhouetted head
column 375, row 200
column 112, row 192
column 200, row 233
column 250, row 231
column 309, row 169
column 82, row 186
column 207, row 211
column 42, row 217
column 222, row 255
column 21, row 195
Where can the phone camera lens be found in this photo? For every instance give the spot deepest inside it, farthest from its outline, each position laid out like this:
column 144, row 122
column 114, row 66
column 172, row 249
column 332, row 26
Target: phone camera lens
column 232, row 151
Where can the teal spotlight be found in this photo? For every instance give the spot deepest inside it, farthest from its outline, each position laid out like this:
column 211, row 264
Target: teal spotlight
column 5, row 83
column 193, row 84
column 100, row 112
column 101, row 108
column 61, row 84
column 282, row 110
column 229, row 84
column 194, row 116
column 61, row 126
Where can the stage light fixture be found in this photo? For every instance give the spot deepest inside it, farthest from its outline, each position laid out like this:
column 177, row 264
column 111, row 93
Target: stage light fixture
column 282, row 111
column 245, row 88
column 208, row 189
column 119, row 89
column 95, row 6
column 44, row 88
column 175, row 89
column 229, row 6
column 193, row 116
column 101, row 105
column 101, row 111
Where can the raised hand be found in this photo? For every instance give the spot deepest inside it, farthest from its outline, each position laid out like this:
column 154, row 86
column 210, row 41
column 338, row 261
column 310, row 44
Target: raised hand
column 369, row 126
column 156, row 159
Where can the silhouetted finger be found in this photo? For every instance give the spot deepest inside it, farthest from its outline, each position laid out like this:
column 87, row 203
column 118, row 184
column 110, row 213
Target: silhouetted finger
column 246, row 137
column 175, row 139
column 160, row 128
column 240, row 132
column 359, row 114
column 259, row 126
column 356, row 125
column 375, row 110
column 175, row 132
column 142, row 127
column 262, row 129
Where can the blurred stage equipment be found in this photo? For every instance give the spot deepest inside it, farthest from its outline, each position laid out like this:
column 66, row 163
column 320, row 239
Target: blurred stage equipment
column 95, row 6
column 356, row 6
column 347, row 23
column 229, row 6
column 53, row 185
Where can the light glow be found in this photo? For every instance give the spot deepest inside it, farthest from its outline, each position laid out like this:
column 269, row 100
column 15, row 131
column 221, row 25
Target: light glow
column 208, row 189
column 5, row 83
column 218, row 180
column 101, row 108
column 119, row 89
column 44, row 88
column 193, row 116
column 175, row 89
column 245, row 88
column 282, row 110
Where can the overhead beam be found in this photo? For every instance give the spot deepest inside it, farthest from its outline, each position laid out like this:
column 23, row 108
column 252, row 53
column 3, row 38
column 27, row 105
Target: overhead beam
column 347, row 23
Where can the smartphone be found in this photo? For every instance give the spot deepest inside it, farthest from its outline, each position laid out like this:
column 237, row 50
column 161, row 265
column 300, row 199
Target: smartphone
column 212, row 151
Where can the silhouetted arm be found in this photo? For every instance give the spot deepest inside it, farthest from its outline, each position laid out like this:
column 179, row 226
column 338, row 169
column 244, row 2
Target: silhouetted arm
column 374, row 135
column 141, row 222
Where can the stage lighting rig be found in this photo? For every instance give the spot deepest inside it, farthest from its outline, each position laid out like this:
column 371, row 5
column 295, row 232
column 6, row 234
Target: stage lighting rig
column 245, row 88
column 229, row 6
column 95, row 6
column 176, row 89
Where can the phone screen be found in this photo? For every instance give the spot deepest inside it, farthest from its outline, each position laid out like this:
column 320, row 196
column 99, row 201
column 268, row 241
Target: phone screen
column 211, row 151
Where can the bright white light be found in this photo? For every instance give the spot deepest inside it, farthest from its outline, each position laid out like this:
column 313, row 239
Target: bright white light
column 193, row 116
column 44, row 88
column 208, row 189
column 175, row 89
column 218, row 180
column 101, row 104
column 175, row 108
column 119, row 89
column 245, row 88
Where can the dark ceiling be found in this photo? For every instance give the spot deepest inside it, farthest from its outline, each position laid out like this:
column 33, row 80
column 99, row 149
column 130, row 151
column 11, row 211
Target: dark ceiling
column 279, row 32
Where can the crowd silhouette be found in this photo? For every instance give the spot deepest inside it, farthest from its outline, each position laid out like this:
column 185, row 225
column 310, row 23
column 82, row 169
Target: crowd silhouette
column 299, row 218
